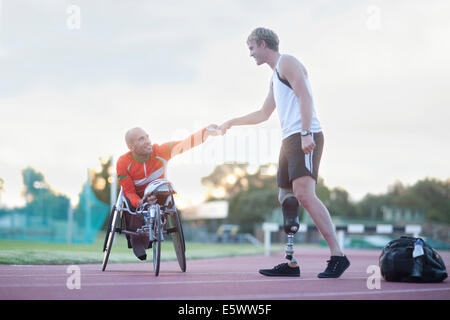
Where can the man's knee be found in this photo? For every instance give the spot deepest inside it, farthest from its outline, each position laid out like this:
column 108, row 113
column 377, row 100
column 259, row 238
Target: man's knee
column 302, row 198
column 304, row 190
column 305, row 199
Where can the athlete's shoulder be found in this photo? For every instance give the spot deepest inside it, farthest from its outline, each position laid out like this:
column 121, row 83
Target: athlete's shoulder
column 125, row 158
column 156, row 149
column 288, row 60
column 289, row 57
column 162, row 150
column 290, row 63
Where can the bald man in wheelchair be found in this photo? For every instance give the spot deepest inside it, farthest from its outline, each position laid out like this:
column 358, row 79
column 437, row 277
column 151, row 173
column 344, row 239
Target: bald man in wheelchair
column 144, row 163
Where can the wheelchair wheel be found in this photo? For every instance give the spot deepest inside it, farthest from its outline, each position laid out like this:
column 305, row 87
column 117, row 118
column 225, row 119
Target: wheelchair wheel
column 110, row 236
column 178, row 241
column 110, row 217
column 157, row 231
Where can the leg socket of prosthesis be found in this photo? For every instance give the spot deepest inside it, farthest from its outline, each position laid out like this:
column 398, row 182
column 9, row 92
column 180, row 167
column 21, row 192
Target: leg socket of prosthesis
column 290, row 215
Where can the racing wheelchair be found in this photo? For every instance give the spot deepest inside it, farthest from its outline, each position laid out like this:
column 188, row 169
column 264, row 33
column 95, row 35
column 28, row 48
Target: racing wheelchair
column 158, row 220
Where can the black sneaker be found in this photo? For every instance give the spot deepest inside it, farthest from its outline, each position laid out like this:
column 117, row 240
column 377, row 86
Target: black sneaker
column 281, row 270
column 336, row 267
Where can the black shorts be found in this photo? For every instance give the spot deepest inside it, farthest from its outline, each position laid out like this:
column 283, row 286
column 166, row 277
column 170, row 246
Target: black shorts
column 293, row 162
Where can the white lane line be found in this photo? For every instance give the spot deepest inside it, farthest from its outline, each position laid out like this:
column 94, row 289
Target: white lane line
column 297, row 295
column 115, row 273
column 154, row 283
column 143, row 273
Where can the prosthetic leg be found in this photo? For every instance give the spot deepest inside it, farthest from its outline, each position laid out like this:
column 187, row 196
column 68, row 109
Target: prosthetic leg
column 289, row 205
column 291, row 224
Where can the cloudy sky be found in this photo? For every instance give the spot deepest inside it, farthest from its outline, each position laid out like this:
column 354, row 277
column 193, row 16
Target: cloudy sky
column 75, row 75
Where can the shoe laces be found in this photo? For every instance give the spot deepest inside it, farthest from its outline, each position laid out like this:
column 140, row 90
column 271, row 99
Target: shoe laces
column 279, row 266
column 332, row 265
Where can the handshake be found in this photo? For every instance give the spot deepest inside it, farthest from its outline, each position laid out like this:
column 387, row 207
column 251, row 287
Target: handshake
column 215, row 130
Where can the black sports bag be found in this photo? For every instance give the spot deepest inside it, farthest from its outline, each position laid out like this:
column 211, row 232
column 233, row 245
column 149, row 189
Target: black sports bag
column 409, row 259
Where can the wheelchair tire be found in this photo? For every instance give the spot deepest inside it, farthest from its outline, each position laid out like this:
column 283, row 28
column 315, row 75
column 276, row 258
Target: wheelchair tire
column 157, row 242
column 110, row 217
column 110, row 236
column 178, row 242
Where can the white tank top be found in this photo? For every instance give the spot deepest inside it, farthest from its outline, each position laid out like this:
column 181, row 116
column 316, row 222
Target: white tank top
column 288, row 106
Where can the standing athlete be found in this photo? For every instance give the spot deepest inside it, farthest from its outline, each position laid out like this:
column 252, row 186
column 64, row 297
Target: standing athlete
column 301, row 150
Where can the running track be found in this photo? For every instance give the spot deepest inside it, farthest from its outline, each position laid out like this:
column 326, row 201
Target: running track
column 219, row 279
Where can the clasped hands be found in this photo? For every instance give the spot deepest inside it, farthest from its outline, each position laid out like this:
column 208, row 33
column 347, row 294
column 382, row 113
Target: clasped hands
column 215, row 130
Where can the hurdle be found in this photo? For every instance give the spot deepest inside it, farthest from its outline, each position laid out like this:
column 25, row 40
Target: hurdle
column 342, row 230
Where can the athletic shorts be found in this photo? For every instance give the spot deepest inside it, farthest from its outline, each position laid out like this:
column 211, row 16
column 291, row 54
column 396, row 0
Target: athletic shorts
column 294, row 163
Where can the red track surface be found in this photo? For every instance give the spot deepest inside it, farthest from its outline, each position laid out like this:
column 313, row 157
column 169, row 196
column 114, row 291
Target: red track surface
column 220, row 279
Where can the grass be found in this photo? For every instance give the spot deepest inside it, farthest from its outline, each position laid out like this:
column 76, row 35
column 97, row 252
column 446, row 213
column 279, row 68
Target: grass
column 25, row 252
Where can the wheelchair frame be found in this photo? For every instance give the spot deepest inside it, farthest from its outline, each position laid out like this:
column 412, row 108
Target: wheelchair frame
column 159, row 220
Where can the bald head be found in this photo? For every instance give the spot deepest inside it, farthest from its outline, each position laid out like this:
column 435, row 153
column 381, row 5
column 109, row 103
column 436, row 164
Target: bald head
column 138, row 142
column 132, row 134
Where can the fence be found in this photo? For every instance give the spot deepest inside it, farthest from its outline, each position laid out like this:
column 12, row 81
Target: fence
column 79, row 225
column 341, row 231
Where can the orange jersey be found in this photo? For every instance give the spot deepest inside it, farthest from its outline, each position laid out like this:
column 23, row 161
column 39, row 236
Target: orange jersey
column 134, row 174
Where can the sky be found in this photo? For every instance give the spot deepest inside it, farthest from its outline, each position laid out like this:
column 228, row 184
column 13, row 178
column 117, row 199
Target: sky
column 75, row 75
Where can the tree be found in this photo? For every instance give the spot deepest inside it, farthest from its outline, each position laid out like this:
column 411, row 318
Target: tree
column 371, row 206
column 251, row 207
column 252, row 194
column 41, row 200
column 226, row 180
column 340, row 204
column 430, row 195
column 101, row 180
column 433, row 195
column 33, row 182
column 322, row 191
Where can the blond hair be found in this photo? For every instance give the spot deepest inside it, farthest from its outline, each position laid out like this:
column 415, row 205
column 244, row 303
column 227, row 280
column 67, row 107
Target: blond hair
column 269, row 37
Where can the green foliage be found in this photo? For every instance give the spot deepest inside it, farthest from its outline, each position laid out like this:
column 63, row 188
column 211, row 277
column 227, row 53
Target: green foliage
column 253, row 197
column 219, row 179
column 322, row 191
column 251, row 207
column 101, row 180
column 370, row 206
column 430, row 193
column 33, row 182
column 41, row 200
column 340, row 203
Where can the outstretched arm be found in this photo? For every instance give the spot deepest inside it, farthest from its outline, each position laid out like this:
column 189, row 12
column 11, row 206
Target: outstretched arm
column 174, row 148
column 256, row 117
